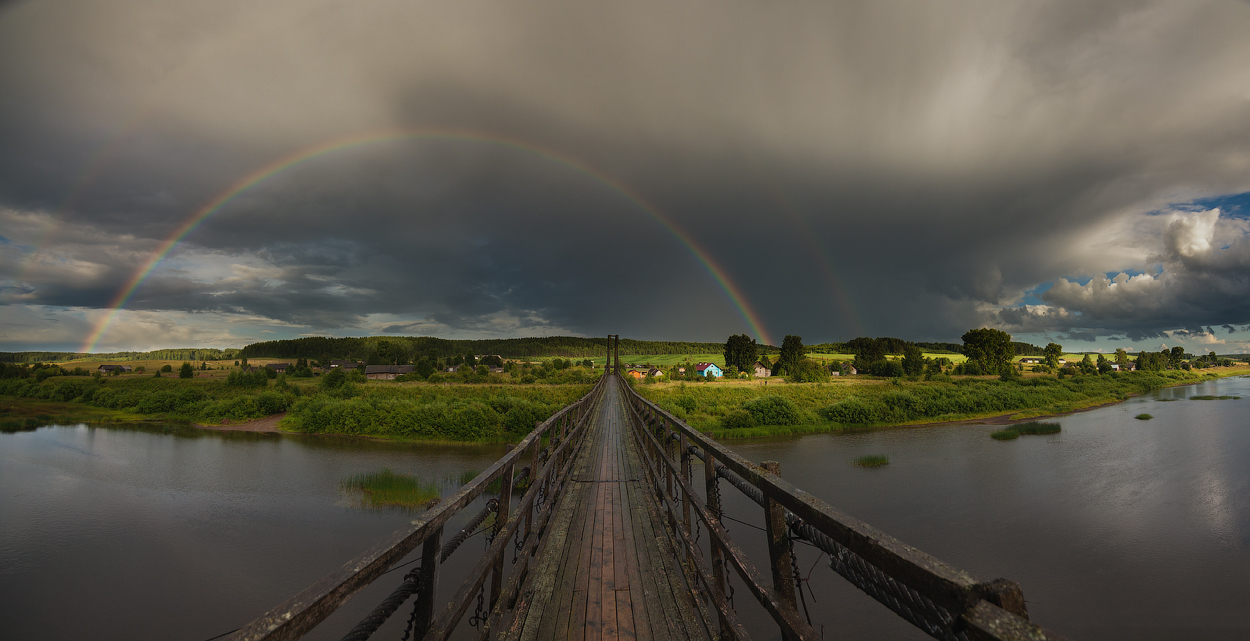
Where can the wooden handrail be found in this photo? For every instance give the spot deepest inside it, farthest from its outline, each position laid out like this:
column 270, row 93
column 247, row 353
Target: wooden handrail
column 296, row 616
column 979, row 607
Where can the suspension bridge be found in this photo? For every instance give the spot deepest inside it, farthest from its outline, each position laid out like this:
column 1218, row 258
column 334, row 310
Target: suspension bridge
column 606, row 522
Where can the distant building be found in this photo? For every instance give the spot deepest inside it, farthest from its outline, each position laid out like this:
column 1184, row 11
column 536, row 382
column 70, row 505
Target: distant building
column 278, row 367
column 761, row 371
column 109, row 369
column 656, row 373
column 387, row 372
column 704, row 368
column 1031, row 360
column 635, row 373
column 345, row 364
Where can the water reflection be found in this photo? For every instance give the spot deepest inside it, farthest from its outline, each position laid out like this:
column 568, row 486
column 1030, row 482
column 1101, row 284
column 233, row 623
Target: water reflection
column 1117, row 528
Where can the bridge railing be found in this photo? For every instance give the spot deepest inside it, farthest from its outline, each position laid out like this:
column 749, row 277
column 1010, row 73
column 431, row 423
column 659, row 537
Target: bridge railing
column 542, row 477
column 941, row 600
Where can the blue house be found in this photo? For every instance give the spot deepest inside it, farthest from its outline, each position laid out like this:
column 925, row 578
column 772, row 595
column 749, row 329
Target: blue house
column 704, row 368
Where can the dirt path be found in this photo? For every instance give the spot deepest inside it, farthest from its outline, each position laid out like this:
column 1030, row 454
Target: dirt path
column 267, row 424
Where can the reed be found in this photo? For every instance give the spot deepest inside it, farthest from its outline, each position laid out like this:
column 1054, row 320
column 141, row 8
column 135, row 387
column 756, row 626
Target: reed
column 1036, row 427
column 873, row 460
column 1004, row 435
column 386, row 488
column 1143, row 417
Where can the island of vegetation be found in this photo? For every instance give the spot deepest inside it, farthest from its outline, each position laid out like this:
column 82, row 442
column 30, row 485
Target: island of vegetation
column 433, row 389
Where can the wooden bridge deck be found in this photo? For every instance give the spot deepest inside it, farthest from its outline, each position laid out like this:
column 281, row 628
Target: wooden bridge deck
column 607, row 570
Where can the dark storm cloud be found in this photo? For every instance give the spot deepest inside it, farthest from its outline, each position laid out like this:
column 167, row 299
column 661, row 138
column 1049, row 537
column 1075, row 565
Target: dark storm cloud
column 895, row 168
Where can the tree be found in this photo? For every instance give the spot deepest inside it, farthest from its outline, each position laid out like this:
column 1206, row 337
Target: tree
column 913, row 361
column 167, row 368
column 791, row 351
column 1104, row 365
column 991, row 349
column 186, row 371
column 1176, row 356
column 740, row 352
column 1121, row 358
column 1053, row 352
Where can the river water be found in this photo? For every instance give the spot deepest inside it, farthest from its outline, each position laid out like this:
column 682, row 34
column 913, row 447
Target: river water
column 1117, row 528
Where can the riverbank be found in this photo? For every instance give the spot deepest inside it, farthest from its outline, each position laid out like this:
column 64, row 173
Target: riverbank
column 737, row 412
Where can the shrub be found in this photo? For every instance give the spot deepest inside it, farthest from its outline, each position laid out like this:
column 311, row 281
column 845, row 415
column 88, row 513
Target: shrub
column 737, row 419
column 851, row 410
column 167, row 368
column 270, row 402
column 774, row 410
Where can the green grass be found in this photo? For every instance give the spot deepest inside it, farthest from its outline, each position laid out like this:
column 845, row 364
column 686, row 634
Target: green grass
column 876, row 402
column 1143, row 417
column 1036, row 427
column 872, row 460
column 1166, row 400
column 385, row 488
column 1005, row 435
column 1208, row 397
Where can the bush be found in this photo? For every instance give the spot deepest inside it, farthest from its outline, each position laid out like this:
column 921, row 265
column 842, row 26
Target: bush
column 774, row 410
column 255, row 378
column 167, row 368
column 1004, row 435
column 737, row 419
column 186, row 371
column 269, row 403
column 851, row 410
column 333, row 379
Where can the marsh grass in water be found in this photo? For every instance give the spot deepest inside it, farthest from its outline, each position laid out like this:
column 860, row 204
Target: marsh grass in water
column 1209, row 397
column 386, row 488
column 1036, row 427
column 874, row 460
column 1166, row 400
column 1143, row 417
column 1004, row 435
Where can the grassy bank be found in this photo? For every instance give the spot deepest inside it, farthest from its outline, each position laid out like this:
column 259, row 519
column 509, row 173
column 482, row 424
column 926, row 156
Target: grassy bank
column 753, row 411
column 404, row 411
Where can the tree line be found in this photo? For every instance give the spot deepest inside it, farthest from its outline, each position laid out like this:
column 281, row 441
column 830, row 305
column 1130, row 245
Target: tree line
column 415, row 347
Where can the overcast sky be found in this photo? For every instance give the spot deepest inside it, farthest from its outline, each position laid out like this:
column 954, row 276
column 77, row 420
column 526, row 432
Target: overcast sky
column 1064, row 170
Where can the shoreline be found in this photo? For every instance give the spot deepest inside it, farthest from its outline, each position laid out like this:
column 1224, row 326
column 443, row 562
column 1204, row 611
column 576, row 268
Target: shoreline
column 1003, row 419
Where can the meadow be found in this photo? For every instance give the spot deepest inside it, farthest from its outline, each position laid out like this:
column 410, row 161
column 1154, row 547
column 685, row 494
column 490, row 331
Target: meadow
column 402, row 411
column 754, row 410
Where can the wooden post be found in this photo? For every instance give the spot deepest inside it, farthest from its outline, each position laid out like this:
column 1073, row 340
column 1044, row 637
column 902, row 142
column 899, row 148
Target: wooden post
column 429, row 582
column 501, row 517
column 685, row 500
column 778, row 544
column 710, row 483
column 529, row 514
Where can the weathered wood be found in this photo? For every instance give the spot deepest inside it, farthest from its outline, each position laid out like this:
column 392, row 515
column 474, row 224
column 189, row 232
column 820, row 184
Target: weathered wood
column 779, row 544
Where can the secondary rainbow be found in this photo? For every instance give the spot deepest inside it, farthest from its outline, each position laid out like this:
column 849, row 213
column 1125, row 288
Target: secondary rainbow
column 308, row 153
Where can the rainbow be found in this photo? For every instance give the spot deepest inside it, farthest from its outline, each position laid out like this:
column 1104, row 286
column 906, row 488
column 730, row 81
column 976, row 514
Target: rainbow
column 837, row 288
column 739, row 300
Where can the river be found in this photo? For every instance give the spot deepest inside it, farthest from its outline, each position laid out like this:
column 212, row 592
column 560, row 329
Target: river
column 1117, row 528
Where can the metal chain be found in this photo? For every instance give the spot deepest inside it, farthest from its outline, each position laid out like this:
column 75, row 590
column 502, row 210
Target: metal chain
column 411, row 627
column 478, row 618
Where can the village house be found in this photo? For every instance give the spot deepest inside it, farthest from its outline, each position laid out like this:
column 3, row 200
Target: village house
column 278, row 367
column 635, row 374
column 345, row 364
column 109, row 369
column 1031, row 360
column 761, row 371
column 704, row 368
column 386, row 372
column 656, row 373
